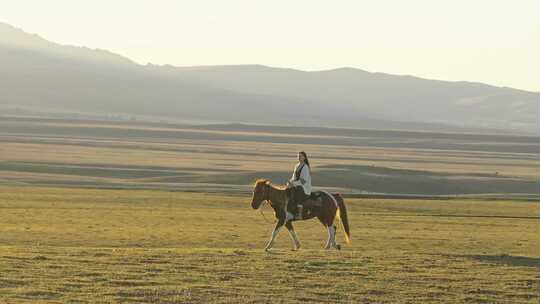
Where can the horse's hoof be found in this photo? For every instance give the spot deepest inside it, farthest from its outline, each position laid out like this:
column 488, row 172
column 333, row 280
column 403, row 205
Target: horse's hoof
column 338, row 247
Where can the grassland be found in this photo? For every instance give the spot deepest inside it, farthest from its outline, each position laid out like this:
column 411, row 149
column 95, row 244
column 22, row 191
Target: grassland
column 140, row 246
column 182, row 231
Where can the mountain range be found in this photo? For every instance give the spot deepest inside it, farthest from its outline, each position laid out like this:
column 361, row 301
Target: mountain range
column 39, row 76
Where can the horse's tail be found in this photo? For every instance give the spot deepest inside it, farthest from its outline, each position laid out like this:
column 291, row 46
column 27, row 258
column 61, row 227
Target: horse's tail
column 342, row 213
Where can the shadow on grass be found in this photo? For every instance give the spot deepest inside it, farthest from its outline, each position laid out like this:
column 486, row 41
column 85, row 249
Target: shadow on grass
column 505, row 259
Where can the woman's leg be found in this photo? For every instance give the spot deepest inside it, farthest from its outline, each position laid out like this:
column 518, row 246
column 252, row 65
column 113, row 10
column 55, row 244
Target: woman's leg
column 300, row 198
column 299, row 195
column 290, row 208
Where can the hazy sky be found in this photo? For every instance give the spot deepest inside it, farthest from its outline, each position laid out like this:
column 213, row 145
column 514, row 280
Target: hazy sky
column 496, row 42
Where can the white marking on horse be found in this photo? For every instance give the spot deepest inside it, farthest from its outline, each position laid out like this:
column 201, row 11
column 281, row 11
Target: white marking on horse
column 331, row 229
column 334, row 243
column 331, row 237
column 274, row 235
column 289, row 216
column 294, row 238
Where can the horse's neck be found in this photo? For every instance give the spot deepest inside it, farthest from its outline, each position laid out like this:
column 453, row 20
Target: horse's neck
column 277, row 196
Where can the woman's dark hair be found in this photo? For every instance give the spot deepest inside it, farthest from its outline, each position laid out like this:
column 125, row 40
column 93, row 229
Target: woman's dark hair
column 305, row 157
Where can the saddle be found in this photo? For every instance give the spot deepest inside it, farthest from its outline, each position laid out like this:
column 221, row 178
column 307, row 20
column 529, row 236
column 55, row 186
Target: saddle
column 303, row 209
column 315, row 199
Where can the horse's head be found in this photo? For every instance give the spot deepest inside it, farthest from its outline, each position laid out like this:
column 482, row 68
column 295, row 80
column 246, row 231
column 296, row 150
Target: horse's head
column 260, row 193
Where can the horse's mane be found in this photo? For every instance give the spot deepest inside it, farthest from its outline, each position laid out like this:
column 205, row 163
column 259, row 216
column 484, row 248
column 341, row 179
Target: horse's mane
column 267, row 181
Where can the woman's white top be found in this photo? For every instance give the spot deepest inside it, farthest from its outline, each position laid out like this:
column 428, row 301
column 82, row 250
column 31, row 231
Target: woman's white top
column 304, row 180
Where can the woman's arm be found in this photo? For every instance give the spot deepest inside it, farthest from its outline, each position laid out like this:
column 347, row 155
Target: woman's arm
column 305, row 175
column 292, row 177
column 291, row 182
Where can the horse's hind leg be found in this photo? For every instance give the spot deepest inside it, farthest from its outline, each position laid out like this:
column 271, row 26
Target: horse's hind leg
column 328, row 221
column 334, row 241
column 324, row 222
column 296, row 241
column 328, row 224
column 329, row 242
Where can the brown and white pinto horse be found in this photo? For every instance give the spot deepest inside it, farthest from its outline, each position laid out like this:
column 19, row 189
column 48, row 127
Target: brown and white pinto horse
column 331, row 206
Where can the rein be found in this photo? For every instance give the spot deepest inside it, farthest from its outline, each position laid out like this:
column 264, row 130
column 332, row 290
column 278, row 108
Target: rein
column 262, row 213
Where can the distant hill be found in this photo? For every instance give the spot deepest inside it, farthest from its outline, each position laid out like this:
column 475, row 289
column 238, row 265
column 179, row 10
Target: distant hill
column 45, row 77
column 383, row 96
column 16, row 38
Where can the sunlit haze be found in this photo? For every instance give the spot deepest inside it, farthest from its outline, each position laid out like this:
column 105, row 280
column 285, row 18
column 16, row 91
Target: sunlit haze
column 495, row 42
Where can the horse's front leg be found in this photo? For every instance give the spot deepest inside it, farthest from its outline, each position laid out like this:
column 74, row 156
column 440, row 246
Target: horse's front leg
column 296, row 241
column 275, row 232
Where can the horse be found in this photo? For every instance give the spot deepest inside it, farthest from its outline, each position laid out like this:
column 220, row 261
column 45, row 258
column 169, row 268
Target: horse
column 326, row 209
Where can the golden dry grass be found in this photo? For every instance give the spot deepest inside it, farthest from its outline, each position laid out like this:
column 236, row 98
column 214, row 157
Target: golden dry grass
column 105, row 246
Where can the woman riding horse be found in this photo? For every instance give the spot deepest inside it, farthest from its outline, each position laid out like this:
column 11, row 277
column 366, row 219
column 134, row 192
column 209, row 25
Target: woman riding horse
column 300, row 187
column 286, row 200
